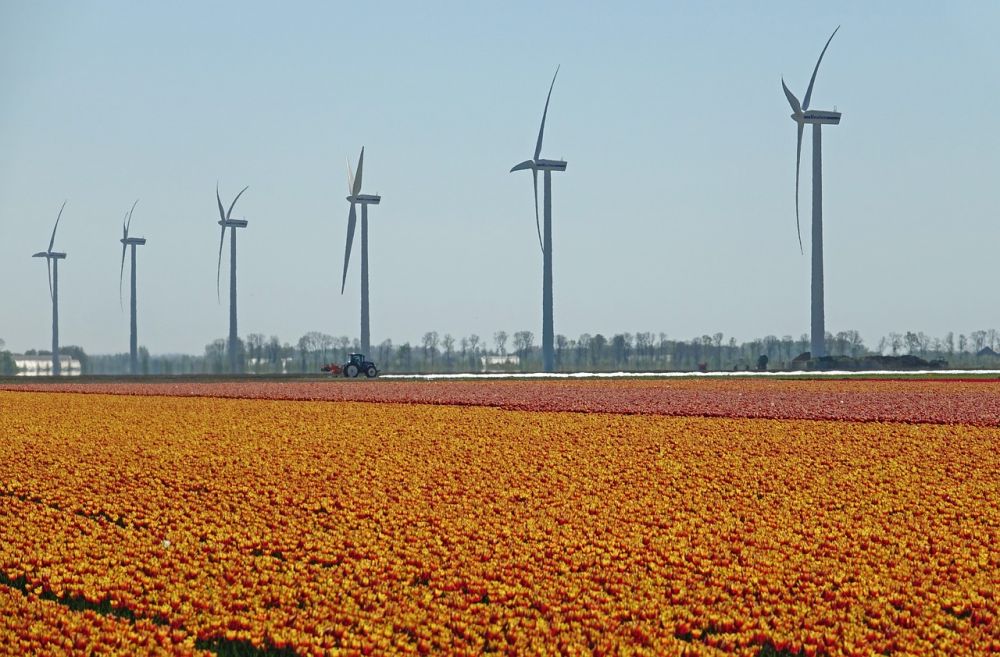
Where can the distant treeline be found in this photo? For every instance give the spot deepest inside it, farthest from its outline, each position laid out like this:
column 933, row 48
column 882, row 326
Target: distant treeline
column 519, row 352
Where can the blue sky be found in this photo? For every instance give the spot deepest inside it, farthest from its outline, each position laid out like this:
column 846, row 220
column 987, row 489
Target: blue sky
column 675, row 213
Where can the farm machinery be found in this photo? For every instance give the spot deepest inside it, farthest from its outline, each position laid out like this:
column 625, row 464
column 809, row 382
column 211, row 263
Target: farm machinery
column 353, row 368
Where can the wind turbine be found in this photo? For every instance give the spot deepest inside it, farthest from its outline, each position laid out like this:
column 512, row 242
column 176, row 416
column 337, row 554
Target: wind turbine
column 802, row 115
column 364, row 200
column 52, row 259
column 537, row 164
column 133, row 341
column 226, row 222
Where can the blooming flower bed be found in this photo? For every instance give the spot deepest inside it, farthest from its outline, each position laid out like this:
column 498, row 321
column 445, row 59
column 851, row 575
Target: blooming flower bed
column 914, row 401
column 195, row 525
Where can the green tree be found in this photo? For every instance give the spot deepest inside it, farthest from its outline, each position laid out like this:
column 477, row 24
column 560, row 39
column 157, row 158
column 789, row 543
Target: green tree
column 448, row 342
column 144, row 361
column 523, row 343
column 384, row 353
column 8, row 367
column 430, row 342
column 473, row 352
column 597, row 344
column 406, row 357
column 215, row 356
column 562, row 344
column 500, row 338
column 7, row 364
column 79, row 354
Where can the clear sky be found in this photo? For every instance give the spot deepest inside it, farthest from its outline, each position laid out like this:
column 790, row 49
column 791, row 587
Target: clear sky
column 675, row 213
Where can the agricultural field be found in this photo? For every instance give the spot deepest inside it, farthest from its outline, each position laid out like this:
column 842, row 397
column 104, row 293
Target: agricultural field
column 690, row 517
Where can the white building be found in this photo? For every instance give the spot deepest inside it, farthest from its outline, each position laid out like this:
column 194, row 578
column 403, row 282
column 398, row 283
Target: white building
column 499, row 361
column 42, row 365
column 252, row 363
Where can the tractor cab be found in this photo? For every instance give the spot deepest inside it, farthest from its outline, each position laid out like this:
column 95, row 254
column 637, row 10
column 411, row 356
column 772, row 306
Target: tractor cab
column 356, row 359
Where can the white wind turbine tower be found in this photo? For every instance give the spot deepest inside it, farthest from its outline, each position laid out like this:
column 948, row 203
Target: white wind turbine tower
column 537, row 164
column 130, row 242
column 226, row 221
column 52, row 259
column 364, row 200
column 802, row 115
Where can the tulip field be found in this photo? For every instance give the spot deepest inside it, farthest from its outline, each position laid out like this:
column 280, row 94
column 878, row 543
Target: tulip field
column 691, row 517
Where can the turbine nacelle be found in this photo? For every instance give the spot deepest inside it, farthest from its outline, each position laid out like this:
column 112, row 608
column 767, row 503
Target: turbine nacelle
column 138, row 241
column 550, row 165
column 233, row 223
column 540, row 165
column 50, row 254
column 365, row 199
column 820, row 117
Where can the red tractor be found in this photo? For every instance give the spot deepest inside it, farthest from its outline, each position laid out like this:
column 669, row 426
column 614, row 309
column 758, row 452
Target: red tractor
column 354, row 367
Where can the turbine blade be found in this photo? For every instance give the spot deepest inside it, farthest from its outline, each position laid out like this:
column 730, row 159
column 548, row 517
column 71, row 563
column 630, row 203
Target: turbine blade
column 534, row 182
column 541, row 130
column 130, row 216
column 357, row 180
column 48, row 263
column 809, row 91
column 792, row 100
column 218, row 269
column 527, row 164
column 222, row 213
column 58, row 217
column 121, row 274
column 352, row 220
column 350, row 177
column 231, row 205
column 798, row 160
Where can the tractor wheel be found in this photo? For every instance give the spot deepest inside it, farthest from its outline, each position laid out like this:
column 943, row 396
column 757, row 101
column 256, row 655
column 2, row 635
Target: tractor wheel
column 351, row 371
column 371, row 372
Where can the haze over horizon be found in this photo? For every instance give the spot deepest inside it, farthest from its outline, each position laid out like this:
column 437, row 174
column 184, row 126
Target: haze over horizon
column 675, row 214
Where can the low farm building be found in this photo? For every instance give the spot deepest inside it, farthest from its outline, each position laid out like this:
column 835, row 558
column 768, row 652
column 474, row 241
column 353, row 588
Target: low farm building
column 42, row 365
column 493, row 360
